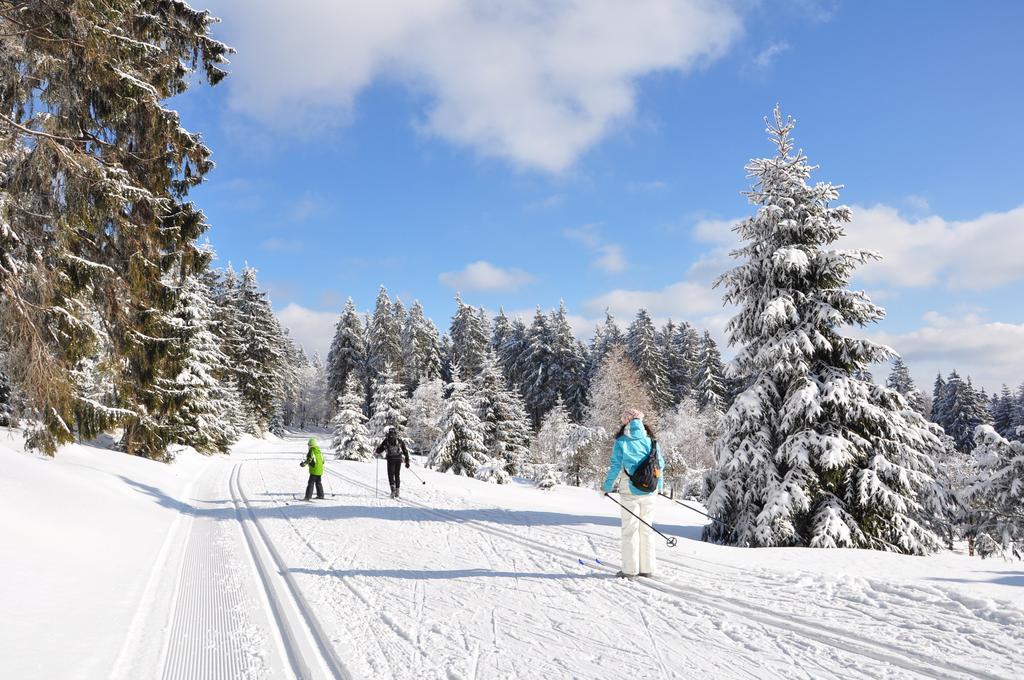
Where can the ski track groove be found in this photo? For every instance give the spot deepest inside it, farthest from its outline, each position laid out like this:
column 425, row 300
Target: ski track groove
column 830, row 637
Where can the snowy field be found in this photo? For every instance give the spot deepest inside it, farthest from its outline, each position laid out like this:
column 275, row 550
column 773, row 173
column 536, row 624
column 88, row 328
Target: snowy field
column 119, row 567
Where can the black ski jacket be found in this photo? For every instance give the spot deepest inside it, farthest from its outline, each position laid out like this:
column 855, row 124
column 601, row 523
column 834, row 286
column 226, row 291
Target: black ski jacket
column 394, row 449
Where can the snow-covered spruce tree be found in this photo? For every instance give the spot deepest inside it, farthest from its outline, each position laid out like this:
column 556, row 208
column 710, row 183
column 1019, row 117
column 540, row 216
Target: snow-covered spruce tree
column 6, row 399
column 503, row 416
column 259, row 359
column 501, row 328
column 568, row 367
column 901, row 381
column 810, row 454
column 938, row 415
column 513, row 354
column 607, row 336
column 962, row 409
column 1017, row 429
column 1002, row 412
column 646, row 354
column 995, row 497
column 388, row 408
column 421, row 349
column 94, row 214
column 383, row 339
column 710, row 389
column 471, row 337
column 538, row 387
column 201, row 417
column 351, row 440
column 425, row 410
column 347, row 355
column 460, row 446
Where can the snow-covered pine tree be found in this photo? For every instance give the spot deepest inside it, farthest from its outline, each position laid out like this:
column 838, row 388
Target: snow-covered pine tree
column 446, row 358
column 383, row 339
column 502, row 327
column 202, row 414
column 1017, row 430
column 646, row 354
column 684, row 377
column 901, row 381
column 606, row 337
column 94, row 213
column 503, row 416
column 460, row 446
column 388, row 408
column 425, row 409
column 351, row 440
column 347, row 355
column 938, row 414
column 538, row 387
column 513, row 355
column 963, row 408
column 995, row 497
column 810, row 454
column 1002, row 412
column 259, row 359
column 421, row 350
column 568, row 367
column 471, row 337
column 710, row 392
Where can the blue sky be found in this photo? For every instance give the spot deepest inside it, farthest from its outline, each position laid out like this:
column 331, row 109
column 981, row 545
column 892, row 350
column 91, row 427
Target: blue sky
column 529, row 152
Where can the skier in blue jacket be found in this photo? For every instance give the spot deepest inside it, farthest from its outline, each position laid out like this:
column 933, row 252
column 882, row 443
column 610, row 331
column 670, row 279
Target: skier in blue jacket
column 632, row 444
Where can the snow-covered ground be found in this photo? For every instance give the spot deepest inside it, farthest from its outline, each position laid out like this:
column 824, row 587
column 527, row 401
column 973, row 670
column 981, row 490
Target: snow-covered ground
column 209, row 568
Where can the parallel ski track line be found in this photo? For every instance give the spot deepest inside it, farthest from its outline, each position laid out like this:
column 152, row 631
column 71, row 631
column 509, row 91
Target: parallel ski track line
column 913, row 662
column 289, row 634
column 383, row 625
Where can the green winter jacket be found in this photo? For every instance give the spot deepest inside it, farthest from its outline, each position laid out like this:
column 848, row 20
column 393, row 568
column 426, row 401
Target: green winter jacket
column 314, row 459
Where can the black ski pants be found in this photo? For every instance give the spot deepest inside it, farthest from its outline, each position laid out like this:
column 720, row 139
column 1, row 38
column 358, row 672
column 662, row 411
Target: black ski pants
column 395, row 472
column 316, row 480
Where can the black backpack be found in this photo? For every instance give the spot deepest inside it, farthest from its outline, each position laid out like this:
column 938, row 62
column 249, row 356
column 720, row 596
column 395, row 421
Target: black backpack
column 646, row 475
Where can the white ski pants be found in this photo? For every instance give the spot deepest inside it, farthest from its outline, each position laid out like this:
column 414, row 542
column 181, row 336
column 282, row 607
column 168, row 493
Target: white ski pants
column 637, row 540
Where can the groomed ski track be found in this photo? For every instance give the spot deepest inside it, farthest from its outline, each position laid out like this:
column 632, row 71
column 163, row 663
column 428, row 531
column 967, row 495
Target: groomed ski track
column 436, row 585
column 394, row 609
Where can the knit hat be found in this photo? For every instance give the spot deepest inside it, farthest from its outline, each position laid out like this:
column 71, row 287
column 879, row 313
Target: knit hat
column 631, row 414
column 312, row 441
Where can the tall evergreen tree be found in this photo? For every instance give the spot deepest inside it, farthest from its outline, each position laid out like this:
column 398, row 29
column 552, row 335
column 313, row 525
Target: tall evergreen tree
column 95, row 223
column 962, row 409
column 383, row 339
column 811, row 454
column 901, row 381
column 607, row 337
column 259, row 360
column 513, row 355
column 460, row 446
column 646, row 354
column 1002, row 412
column 539, row 389
column 351, row 440
column 568, row 363
column 202, row 403
column 347, row 356
column 502, row 327
column 471, row 337
column 711, row 391
column 995, row 496
column 389, row 408
column 421, row 349
column 503, row 417
column 938, row 415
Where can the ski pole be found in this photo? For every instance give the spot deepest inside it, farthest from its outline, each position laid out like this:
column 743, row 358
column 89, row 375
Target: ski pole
column 376, row 478
column 690, row 507
column 670, row 541
column 416, row 475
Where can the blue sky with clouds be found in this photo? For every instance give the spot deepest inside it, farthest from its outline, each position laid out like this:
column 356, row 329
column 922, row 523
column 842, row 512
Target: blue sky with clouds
column 525, row 152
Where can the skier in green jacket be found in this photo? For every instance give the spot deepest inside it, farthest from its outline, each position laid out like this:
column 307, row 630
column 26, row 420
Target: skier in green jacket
column 315, row 462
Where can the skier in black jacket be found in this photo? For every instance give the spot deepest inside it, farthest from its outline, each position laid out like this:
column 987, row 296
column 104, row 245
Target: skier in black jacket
column 394, row 451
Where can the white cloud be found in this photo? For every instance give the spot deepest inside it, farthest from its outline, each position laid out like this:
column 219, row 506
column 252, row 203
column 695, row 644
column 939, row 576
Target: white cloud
column 977, row 254
column 482, row 275
column 683, row 300
column 766, row 57
column 310, row 328
column 609, row 256
column 530, row 81
column 990, row 352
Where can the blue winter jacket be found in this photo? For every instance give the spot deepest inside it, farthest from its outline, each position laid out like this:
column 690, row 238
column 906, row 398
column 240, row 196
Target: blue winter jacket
column 629, row 450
